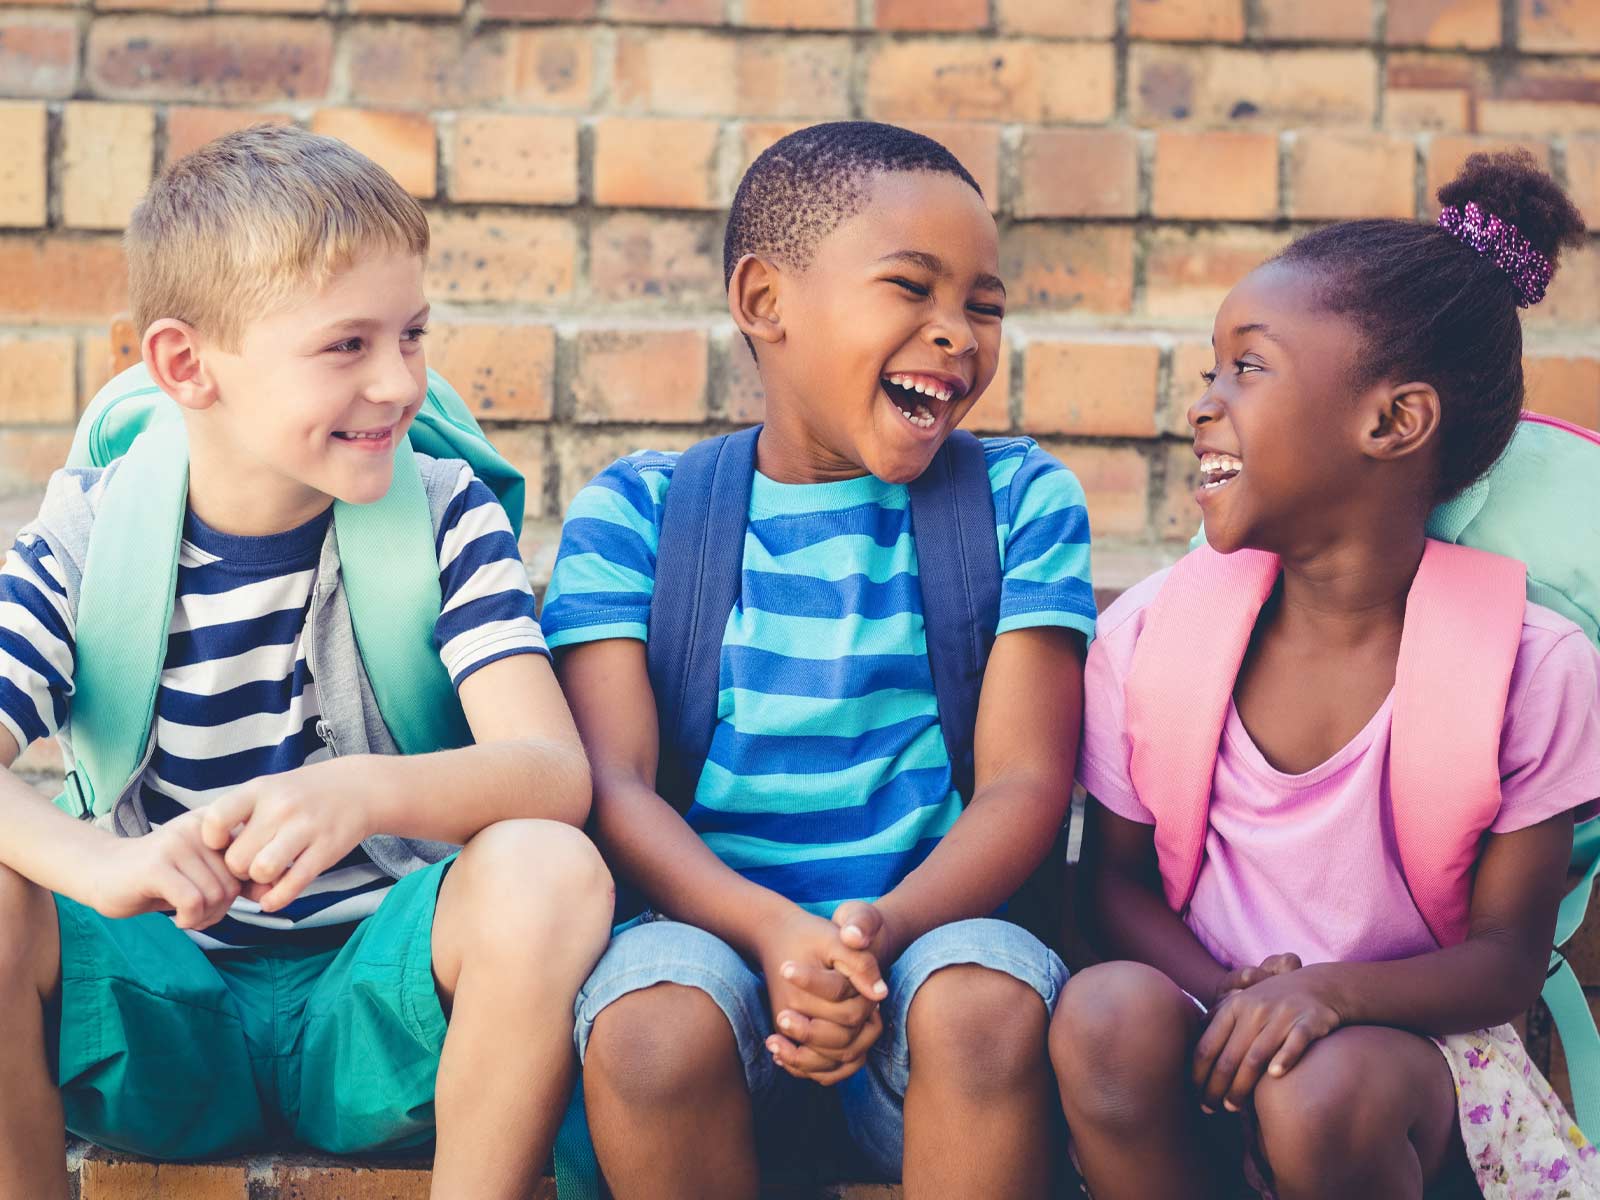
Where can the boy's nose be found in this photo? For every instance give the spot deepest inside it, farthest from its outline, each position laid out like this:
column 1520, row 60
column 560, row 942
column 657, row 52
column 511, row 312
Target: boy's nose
column 393, row 383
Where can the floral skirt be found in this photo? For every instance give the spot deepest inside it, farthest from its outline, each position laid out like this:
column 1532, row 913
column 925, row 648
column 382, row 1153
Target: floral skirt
column 1520, row 1140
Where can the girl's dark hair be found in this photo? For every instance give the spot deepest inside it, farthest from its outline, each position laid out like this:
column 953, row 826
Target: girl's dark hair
column 1433, row 310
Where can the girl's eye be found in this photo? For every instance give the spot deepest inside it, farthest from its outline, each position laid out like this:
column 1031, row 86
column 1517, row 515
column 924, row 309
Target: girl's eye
column 1246, row 366
column 916, row 289
column 1209, row 376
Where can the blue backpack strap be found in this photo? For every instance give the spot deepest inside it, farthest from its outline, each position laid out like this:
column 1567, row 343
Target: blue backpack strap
column 958, row 569
column 699, row 557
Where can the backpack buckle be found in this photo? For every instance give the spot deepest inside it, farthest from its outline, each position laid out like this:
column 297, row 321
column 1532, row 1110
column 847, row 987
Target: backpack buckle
column 84, row 801
column 1557, row 961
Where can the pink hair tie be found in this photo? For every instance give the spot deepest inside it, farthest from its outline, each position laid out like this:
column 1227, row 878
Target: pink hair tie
column 1504, row 245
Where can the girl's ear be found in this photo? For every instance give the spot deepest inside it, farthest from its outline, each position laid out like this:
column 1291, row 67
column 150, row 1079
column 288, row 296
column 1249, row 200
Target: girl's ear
column 1401, row 420
column 753, row 300
column 171, row 350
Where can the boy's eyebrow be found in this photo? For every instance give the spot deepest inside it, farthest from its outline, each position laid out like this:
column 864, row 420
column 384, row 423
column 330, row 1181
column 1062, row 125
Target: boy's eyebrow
column 934, row 264
column 350, row 323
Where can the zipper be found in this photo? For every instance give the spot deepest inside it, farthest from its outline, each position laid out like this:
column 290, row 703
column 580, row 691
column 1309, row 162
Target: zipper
column 324, row 730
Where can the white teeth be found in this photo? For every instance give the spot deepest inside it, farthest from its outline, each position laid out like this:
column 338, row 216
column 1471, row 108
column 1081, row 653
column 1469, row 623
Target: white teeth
column 922, row 418
column 1218, row 469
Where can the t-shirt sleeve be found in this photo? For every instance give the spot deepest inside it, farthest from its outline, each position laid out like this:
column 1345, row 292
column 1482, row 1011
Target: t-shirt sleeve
column 605, row 572
column 1044, row 542
column 36, row 642
column 1550, row 744
column 487, row 611
column 1105, row 751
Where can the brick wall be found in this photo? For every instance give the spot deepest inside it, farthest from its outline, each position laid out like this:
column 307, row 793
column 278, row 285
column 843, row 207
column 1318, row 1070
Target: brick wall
column 1140, row 155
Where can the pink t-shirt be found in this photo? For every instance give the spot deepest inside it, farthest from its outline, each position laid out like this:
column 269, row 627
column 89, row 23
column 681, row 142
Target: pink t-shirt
column 1308, row 863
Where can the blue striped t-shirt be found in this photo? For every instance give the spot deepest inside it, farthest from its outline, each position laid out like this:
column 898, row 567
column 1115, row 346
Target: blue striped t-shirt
column 237, row 700
column 828, row 778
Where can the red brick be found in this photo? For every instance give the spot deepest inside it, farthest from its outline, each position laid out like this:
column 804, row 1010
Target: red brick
column 1559, row 26
column 1077, row 173
column 104, row 1177
column 107, row 154
column 552, row 68
column 1116, row 484
column 1574, row 295
column 1447, row 154
column 799, row 14
column 1215, row 175
column 977, row 146
column 1433, row 92
column 1316, row 20
column 582, row 452
column 539, row 10
column 1337, row 175
column 791, row 76
column 1227, row 86
column 172, row 6
column 640, row 163
column 38, row 380
column 1565, row 387
column 426, row 66
column 740, row 395
column 1186, row 20
column 757, row 137
column 667, row 12
column 327, row 1182
column 49, row 280
column 1543, row 98
column 527, row 448
column 38, row 53
column 28, row 457
column 949, row 16
column 234, row 60
column 1474, row 24
column 23, row 149
column 1188, row 273
column 1185, row 385
column 675, row 72
column 408, row 8
column 190, row 128
column 1085, row 268
column 992, row 412
column 502, row 258
column 1583, row 176
column 270, row 6
column 97, row 363
column 639, row 375
column 1177, row 516
column 1090, row 388
column 404, row 144
column 503, row 372
column 655, row 260
column 514, row 159
column 1052, row 18
column 954, row 79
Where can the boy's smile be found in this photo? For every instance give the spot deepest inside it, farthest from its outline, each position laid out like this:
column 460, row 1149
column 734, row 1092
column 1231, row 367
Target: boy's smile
column 886, row 338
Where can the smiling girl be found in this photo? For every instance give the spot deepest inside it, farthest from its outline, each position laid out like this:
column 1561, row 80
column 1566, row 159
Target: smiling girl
column 1293, row 984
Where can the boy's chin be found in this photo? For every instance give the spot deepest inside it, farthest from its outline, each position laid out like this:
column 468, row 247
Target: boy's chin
column 900, row 464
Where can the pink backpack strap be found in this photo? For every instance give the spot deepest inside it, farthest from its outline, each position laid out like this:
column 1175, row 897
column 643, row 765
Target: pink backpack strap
column 1195, row 635
column 1463, row 628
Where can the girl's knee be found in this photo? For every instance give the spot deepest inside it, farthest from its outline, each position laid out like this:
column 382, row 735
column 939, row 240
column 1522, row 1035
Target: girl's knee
column 659, row 1046
column 28, row 932
column 983, row 1029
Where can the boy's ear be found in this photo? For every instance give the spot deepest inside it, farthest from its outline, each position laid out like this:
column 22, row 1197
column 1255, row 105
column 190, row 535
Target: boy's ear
column 171, row 351
column 1402, row 419
column 753, row 300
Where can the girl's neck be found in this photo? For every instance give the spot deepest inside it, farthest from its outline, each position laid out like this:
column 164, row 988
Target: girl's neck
column 1353, row 588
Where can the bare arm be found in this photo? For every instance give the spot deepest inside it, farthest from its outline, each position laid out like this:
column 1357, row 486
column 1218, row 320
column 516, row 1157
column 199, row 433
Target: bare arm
column 1025, row 747
column 42, row 843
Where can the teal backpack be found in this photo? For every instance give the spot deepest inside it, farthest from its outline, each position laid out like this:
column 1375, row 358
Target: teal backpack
column 390, row 571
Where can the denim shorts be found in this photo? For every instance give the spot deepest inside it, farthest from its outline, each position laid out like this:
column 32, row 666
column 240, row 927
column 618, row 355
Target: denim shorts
column 664, row 951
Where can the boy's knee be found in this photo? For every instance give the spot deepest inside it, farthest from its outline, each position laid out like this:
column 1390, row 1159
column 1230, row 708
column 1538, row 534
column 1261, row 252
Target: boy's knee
column 660, row 1046
column 1119, row 1043
column 981, row 1029
column 535, row 884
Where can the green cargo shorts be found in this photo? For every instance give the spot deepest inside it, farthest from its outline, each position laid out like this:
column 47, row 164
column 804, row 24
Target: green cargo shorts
column 169, row 1051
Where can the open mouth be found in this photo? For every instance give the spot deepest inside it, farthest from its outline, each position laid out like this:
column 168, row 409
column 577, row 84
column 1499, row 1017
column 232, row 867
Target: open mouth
column 369, row 435
column 1218, row 470
column 921, row 399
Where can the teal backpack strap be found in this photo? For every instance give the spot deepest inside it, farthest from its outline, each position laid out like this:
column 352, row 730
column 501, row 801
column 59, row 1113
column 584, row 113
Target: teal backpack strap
column 577, row 1169
column 124, row 608
column 1569, row 1007
column 390, row 570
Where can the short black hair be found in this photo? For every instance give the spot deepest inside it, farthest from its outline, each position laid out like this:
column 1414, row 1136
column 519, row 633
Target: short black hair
column 1433, row 310
column 804, row 185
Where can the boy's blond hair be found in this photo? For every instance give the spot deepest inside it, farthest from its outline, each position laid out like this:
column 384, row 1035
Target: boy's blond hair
column 228, row 233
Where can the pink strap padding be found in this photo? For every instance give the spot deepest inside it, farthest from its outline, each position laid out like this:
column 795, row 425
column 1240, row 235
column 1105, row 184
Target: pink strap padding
column 1463, row 628
column 1194, row 639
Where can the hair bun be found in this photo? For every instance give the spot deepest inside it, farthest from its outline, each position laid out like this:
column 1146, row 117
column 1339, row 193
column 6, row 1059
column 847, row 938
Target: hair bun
column 1511, row 185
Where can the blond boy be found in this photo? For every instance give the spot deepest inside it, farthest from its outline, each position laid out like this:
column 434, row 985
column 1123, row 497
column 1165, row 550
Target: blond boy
column 287, row 948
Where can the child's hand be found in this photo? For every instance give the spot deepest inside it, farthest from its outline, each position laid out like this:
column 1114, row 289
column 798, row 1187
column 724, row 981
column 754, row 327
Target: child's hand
column 824, row 997
column 1264, row 1029
column 1240, row 978
column 282, row 831
column 864, row 926
column 171, row 867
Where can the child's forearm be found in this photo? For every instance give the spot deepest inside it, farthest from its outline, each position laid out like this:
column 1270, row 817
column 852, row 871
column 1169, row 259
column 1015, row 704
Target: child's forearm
column 451, row 795
column 1136, row 922
column 1486, row 980
column 45, row 845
